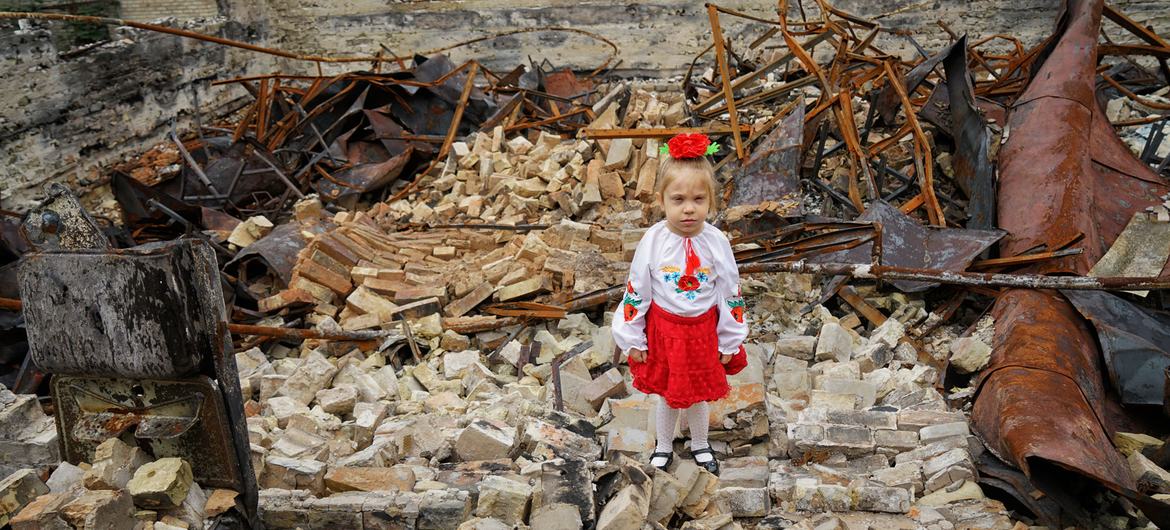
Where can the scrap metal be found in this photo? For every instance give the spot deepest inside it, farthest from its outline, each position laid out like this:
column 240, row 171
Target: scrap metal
column 1060, row 178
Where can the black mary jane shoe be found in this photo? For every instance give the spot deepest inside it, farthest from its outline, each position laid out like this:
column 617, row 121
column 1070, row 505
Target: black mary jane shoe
column 711, row 465
column 669, row 459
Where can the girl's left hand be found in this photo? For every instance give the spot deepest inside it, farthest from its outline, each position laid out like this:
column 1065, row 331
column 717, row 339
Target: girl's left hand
column 725, row 358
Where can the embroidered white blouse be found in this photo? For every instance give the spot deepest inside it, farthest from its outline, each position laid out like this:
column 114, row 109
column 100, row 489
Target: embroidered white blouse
column 685, row 276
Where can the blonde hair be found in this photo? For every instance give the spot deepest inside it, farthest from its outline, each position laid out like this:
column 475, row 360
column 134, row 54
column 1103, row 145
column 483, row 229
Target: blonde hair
column 670, row 168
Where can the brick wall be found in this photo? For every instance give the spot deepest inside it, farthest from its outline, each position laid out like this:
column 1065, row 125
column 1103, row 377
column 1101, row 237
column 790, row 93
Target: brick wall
column 147, row 10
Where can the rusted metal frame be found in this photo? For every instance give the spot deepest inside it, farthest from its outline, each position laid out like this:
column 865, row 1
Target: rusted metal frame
column 828, row 8
column 191, row 161
column 871, row 313
column 799, row 252
column 1023, row 259
column 526, row 310
column 456, row 119
column 191, row 228
column 559, row 401
column 1153, row 140
column 813, row 242
column 292, row 187
column 853, row 143
column 546, row 121
column 836, row 195
column 1141, row 32
column 609, row 134
column 742, row 80
column 310, row 333
column 892, row 139
column 1134, row 49
column 922, row 149
column 725, row 76
column 262, row 110
column 1139, row 121
column 762, row 96
column 1018, row 281
column 1132, row 96
column 908, row 179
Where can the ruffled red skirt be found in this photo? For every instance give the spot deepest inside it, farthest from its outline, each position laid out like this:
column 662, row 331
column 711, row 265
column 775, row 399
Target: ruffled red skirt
column 682, row 359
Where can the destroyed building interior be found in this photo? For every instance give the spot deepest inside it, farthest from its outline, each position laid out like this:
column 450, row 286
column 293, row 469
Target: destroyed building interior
column 358, row 269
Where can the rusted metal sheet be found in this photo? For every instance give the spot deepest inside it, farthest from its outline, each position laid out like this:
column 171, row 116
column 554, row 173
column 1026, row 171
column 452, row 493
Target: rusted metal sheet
column 973, row 170
column 905, row 243
column 1041, row 404
column 1133, row 340
column 772, row 172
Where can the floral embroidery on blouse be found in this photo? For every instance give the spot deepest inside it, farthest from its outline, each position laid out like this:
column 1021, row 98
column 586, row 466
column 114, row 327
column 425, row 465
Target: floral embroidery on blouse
column 737, row 306
column 688, row 285
column 631, row 302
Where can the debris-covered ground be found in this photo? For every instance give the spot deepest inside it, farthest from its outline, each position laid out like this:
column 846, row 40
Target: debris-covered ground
column 951, row 266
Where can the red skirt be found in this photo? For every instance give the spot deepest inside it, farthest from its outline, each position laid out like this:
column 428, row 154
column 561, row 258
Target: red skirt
column 682, row 360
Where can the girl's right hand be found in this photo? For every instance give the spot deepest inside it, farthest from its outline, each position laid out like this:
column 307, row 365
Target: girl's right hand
column 637, row 355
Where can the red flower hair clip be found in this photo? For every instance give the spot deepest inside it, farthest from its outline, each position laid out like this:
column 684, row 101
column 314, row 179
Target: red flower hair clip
column 689, row 145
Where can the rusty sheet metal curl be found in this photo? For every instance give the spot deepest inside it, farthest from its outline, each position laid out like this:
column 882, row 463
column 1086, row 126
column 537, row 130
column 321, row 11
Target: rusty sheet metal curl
column 1042, row 404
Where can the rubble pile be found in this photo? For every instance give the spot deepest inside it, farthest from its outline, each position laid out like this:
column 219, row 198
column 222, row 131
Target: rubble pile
column 423, row 306
column 123, row 488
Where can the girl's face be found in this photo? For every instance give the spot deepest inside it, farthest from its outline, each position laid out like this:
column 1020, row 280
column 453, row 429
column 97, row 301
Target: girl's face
column 686, row 201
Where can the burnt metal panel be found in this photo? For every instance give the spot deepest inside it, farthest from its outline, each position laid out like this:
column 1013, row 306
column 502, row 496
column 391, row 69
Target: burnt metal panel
column 905, row 243
column 772, row 171
column 1133, row 340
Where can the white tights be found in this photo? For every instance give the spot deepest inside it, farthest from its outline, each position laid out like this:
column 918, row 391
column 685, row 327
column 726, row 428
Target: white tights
column 665, row 419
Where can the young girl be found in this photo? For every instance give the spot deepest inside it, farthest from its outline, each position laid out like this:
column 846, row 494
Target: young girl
column 681, row 322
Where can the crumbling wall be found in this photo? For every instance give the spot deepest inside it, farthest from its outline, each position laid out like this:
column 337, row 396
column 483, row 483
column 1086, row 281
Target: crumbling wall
column 146, row 10
column 64, row 114
column 656, row 37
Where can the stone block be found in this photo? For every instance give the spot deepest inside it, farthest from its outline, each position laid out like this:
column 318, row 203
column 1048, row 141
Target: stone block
column 504, row 499
column 796, row 346
column 933, row 433
column 18, row 490
column 952, row 458
column 834, row 342
column 744, row 472
column 314, row 373
column 114, row 464
column 190, row 511
column 969, row 354
column 1128, row 442
column 396, row 478
column 611, row 384
column 338, row 400
column 889, row 333
column 161, row 484
column 866, row 392
column 100, row 509
column 794, row 384
column 849, row 440
column 443, row 509
column 1150, row 478
column 568, row 481
column 894, row 442
column 455, row 363
column 743, row 502
column 293, row 474
column 282, row 408
column 825, row 400
column 43, row 513
column 625, row 511
column 629, row 441
column 541, row 438
column 879, row 499
column 666, row 493
column 967, row 490
column 915, row 420
column 556, row 516
column 66, row 477
column 907, row 475
column 485, row 440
